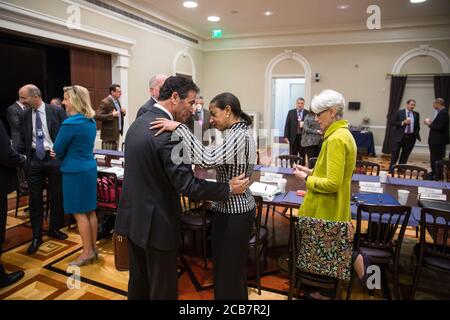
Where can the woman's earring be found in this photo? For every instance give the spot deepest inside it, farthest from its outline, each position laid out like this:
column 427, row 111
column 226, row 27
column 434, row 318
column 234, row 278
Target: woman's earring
column 228, row 115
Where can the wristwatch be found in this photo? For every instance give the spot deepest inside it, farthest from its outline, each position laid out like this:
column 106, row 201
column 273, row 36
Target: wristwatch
column 306, row 178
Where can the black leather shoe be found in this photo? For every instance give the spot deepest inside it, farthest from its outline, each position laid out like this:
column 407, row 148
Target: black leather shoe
column 57, row 234
column 34, row 246
column 7, row 279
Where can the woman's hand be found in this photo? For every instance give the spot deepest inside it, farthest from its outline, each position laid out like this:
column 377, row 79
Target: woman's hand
column 303, row 169
column 164, row 125
column 301, row 175
column 52, row 154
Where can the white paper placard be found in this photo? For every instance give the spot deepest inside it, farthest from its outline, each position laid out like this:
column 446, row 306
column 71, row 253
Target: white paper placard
column 370, row 184
column 429, row 190
column 211, row 180
column 433, row 196
column 371, row 189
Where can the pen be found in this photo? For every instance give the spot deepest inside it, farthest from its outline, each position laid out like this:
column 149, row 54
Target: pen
column 265, row 188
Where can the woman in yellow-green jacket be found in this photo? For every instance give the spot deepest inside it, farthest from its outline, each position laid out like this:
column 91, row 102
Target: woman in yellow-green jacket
column 329, row 184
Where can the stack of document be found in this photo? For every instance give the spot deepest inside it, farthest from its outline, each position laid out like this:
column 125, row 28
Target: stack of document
column 267, row 191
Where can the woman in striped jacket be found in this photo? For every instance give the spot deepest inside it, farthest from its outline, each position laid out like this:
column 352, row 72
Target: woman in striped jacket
column 233, row 219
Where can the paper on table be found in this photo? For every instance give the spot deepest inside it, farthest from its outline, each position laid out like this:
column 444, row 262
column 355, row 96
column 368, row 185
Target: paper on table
column 117, row 170
column 429, row 190
column 370, row 184
column 433, row 196
column 371, row 189
column 267, row 191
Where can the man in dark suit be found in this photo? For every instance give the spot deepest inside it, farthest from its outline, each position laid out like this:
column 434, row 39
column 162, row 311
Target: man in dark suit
column 111, row 114
column 39, row 126
column 199, row 122
column 293, row 128
column 438, row 137
column 9, row 160
column 406, row 125
column 154, row 85
column 149, row 208
column 13, row 114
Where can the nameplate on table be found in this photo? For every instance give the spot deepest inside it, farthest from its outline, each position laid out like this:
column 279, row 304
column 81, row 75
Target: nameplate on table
column 433, row 196
column 371, row 189
column 422, row 190
column 370, row 184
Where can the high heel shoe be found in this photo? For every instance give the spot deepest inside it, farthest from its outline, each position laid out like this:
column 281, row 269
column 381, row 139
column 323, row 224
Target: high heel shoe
column 96, row 252
column 81, row 262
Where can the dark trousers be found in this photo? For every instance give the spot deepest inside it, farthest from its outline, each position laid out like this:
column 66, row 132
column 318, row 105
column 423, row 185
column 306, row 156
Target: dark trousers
column 437, row 152
column 39, row 171
column 153, row 274
column 312, row 151
column 230, row 238
column 295, row 147
column 405, row 145
column 3, row 216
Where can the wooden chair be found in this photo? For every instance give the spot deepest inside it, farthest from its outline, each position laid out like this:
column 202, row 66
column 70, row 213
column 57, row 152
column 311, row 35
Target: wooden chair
column 434, row 255
column 382, row 242
column 194, row 218
column 298, row 278
column 258, row 241
column 367, row 167
column 443, row 169
column 407, row 171
column 312, row 162
column 288, row 161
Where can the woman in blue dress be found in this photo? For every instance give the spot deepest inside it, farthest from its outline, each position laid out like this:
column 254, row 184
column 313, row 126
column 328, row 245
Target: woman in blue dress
column 75, row 145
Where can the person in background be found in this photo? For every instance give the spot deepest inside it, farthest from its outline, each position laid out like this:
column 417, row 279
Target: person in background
column 39, row 126
column 438, row 137
column 149, row 207
column 111, row 114
column 199, row 121
column 311, row 137
column 155, row 85
column 406, row 131
column 233, row 219
column 9, row 160
column 13, row 115
column 328, row 186
column 56, row 102
column 75, row 145
column 293, row 128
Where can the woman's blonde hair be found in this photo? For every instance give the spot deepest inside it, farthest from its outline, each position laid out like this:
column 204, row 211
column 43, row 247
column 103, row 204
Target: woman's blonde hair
column 80, row 100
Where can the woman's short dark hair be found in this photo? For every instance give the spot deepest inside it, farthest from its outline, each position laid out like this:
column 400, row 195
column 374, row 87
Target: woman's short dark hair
column 228, row 99
column 181, row 85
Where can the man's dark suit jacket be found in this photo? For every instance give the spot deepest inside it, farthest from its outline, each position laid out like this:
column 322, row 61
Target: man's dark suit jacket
column 110, row 124
column 291, row 126
column 13, row 116
column 399, row 129
column 194, row 126
column 9, row 159
column 146, row 107
column 149, row 207
column 439, row 129
column 54, row 115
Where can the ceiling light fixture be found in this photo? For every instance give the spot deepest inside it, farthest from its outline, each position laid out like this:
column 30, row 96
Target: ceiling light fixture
column 417, row 1
column 343, row 6
column 190, row 4
column 268, row 13
column 213, row 18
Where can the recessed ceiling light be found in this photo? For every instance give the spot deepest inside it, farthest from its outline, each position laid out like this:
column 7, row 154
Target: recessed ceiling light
column 268, row 13
column 213, row 18
column 417, row 1
column 190, row 4
column 343, row 6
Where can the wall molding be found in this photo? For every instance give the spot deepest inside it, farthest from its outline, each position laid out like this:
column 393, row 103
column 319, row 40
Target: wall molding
column 423, row 50
column 286, row 55
column 184, row 54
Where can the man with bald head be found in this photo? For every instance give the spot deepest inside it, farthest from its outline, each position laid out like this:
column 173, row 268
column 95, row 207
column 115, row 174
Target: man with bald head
column 155, row 85
column 39, row 126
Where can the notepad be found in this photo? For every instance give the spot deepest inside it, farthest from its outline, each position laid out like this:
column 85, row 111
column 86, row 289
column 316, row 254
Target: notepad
column 267, row 191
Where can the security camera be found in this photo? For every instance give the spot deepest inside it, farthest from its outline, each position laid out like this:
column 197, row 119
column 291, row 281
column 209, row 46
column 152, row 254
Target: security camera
column 317, row 77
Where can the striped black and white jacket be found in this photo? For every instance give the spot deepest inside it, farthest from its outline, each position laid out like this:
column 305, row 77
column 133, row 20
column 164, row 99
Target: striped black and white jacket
column 236, row 155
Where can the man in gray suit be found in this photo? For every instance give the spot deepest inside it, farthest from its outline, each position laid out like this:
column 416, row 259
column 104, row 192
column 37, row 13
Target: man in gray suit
column 199, row 121
column 13, row 115
column 155, row 85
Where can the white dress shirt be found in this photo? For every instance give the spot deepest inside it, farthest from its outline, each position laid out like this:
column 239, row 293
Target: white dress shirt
column 157, row 105
column 48, row 143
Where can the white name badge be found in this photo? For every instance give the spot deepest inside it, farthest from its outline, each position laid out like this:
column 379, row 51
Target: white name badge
column 370, row 184
column 371, row 189
column 429, row 190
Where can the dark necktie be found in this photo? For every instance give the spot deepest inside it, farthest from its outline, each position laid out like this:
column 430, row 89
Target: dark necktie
column 40, row 151
column 409, row 125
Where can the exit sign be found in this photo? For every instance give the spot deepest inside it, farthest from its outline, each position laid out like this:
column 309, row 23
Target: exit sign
column 216, row 33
